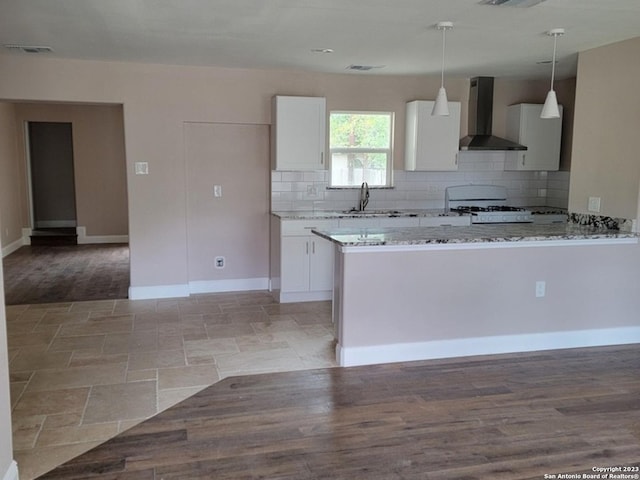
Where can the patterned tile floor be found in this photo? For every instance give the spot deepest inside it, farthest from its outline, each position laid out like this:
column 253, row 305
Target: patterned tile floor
column 81, row 372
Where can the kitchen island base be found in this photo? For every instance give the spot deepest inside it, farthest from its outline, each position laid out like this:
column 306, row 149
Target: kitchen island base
column 418, row 302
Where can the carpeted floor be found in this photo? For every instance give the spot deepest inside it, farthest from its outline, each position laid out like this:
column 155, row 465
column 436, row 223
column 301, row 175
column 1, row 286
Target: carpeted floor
column 42, row 274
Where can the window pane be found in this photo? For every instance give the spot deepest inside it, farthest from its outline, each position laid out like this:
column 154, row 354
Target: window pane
column 351, row 169
column 371, row 130
column 360, row 145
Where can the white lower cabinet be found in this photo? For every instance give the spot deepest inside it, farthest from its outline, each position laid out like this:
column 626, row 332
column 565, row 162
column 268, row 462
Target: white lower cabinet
column 301, row 262
column 457, row 221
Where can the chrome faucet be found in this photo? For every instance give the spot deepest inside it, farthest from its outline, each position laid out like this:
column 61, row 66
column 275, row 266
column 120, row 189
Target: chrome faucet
column 364, row 196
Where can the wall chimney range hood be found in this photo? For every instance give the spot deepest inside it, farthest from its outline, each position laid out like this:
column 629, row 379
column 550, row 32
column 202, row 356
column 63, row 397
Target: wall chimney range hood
column 481, row 119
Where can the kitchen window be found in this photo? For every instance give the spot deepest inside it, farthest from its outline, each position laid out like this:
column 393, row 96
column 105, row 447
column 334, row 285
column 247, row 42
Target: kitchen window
column 361, row 146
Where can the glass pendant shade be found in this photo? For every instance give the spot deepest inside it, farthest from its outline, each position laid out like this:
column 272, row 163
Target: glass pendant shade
column 441, row 107
column 550, row 108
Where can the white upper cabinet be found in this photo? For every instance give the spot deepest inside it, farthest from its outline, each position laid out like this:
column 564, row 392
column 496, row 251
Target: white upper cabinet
column 541, row 136
column 298, row 133
column 431, row 142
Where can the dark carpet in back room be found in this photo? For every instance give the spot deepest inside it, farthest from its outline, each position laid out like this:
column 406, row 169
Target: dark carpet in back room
column 48, row 274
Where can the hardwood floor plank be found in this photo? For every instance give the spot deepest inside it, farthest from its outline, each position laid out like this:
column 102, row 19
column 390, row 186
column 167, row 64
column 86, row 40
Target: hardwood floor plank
column 511, row 417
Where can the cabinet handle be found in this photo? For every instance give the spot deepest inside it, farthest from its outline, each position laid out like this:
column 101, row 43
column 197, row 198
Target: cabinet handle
column 313, row 247
column 455, row 162
column 307, row 244
column 524, row 155
column 321, row 158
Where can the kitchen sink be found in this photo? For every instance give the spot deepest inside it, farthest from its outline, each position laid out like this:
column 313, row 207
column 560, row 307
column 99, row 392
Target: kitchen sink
column 373, row 212
column 378, row 213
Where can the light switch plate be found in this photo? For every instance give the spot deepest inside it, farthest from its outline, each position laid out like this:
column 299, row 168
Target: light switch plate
column 217, row 191
column 594, row 204
column 142, row 168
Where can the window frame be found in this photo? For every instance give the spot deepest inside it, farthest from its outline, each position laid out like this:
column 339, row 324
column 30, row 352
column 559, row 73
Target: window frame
column 388, row 151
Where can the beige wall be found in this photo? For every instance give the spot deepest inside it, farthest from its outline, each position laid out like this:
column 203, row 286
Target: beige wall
column 605, row 159
column 511, row 92
column 99, row 162
column 586, row 302
column 157, row 100
column 6, row 449
column 11, row 179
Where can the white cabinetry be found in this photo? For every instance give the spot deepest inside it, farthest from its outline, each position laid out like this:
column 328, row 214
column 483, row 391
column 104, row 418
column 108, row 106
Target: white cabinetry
column 301, row 262
column 431, row 142
column 298, row 126
column 541, row 136
column 457, row 221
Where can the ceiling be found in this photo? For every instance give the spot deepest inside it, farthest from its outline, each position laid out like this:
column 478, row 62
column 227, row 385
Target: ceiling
column 397, row 35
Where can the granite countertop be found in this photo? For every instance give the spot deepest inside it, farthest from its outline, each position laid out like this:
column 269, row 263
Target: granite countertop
column 513, row 232
column 389, row 213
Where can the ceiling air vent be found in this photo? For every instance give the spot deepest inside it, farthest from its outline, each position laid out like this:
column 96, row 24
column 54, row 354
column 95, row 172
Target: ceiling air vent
column 364, row 68
column 511, row 3
column 29, row 48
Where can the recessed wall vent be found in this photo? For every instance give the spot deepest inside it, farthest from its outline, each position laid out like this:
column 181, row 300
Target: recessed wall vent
column 364, row 68
column 511, row 3
column 29, row 48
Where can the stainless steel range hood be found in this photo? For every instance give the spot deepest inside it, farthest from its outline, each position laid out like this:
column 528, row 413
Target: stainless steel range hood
column 481, row 118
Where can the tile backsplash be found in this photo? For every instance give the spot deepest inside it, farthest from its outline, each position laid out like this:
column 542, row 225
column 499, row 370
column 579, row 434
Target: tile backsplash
column 309, row 190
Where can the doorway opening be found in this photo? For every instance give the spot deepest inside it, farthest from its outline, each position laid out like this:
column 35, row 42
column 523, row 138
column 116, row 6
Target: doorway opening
column 51, row 183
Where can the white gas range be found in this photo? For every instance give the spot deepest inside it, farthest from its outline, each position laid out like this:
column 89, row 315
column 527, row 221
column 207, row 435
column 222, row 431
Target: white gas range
column 488, row 204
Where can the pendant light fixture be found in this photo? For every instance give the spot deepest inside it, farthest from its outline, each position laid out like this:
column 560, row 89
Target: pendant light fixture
column 550, row 108
column 441, row 107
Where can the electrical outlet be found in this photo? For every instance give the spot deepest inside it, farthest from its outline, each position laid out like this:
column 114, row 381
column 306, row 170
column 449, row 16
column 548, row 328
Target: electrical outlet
column 142, row 168
column 217, row 191
column 541, row 288
column 220, row 262
column 594, row 204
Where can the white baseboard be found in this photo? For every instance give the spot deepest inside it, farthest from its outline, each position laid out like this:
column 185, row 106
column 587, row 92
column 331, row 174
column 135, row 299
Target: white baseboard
column 26, row 236
column 233, row 285
column 12, row 247
column 292, row 297
column 12, row 472
column 464, row 347
column 158, row 291
column 83, row 238
column 205, row 286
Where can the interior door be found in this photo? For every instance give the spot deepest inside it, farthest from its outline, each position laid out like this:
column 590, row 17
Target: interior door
column 53, row 197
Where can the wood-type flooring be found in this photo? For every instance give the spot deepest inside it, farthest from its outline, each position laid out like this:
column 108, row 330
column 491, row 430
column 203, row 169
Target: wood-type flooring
column 510, row 417
column 66, row 273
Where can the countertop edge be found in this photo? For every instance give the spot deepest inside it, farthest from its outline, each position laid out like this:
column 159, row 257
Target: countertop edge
column 479, row 245
column 433, row 238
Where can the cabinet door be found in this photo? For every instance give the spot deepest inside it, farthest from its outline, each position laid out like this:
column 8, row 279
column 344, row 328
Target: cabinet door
column 321, row 264
column 295, row 264
column 432, row 143
column 298, row 128
column 541, row 136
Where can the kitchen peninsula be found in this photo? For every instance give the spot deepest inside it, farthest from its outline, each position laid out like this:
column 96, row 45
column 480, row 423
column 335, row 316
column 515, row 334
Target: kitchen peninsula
column 403, row 294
